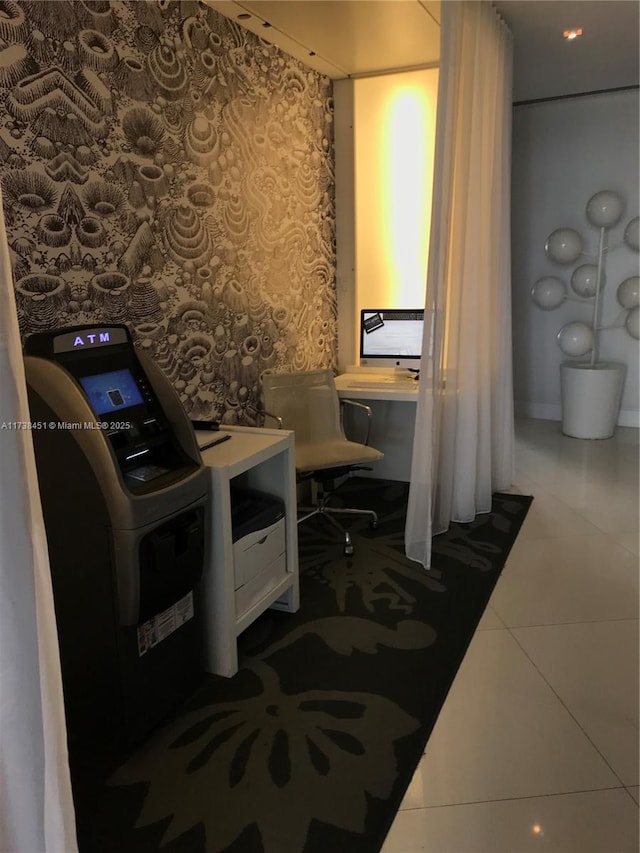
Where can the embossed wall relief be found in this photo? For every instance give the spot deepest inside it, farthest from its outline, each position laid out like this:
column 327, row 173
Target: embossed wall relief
column 165, row 168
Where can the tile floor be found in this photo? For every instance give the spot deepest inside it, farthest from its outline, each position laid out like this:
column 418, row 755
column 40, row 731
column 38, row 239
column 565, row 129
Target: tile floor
column 536, row 747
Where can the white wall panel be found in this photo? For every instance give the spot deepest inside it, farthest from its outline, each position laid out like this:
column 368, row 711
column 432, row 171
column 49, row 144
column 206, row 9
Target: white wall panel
column 563, row 152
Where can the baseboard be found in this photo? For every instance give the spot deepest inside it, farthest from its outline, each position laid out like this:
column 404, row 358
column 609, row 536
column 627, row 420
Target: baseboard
column 629, row 418
column 543, row 411
column 553, row 412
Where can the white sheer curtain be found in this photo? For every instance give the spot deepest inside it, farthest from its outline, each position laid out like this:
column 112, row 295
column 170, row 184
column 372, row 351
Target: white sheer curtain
column 36, row 808
column 463, row 445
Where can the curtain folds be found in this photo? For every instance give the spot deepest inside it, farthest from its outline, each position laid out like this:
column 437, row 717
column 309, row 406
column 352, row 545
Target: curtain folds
column 36, row 806
column 463, row 444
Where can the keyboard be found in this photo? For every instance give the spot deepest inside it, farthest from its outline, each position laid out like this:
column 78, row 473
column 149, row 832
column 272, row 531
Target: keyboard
column 406, row 315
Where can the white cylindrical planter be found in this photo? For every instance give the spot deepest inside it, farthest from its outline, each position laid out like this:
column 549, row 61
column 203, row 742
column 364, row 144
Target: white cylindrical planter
column 591, row 398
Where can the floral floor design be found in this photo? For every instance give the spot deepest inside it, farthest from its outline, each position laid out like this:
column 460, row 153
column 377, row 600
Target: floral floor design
column 311, row 746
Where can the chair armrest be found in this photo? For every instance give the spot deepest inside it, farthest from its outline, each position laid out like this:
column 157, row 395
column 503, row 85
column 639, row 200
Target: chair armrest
column 275, row 418
column 367, row 409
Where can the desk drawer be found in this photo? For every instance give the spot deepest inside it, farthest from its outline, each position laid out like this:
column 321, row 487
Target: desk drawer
column 256, row 550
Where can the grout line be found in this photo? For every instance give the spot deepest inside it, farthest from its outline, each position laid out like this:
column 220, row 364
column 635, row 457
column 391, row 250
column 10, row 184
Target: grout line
column 575, row 622
column 564, row 705
column 524, row 797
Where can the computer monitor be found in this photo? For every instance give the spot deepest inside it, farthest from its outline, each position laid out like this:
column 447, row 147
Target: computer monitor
column 391, row 337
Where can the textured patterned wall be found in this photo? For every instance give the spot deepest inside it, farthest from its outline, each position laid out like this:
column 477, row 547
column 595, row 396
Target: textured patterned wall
column 163, row 167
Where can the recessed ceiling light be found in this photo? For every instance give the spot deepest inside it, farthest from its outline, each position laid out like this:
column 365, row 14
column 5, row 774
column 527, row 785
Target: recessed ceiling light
column 244, row 16
column 571, row 35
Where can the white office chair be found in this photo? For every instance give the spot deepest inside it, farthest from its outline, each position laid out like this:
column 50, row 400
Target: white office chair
column 307, row 403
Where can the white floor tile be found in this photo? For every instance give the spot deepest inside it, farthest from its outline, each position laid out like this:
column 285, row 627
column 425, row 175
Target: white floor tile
column 612, row 510
column 490, row 620
column 568, row 579
column 572, row 472
column 549, row 517
column 630, row 541
column 535, row 431
column 591, row 822
column 502, row 733
column 536, row 434
column 553, row 461
column 593, row 668
column 521, row 761
column 521, row 485
column 547, row 468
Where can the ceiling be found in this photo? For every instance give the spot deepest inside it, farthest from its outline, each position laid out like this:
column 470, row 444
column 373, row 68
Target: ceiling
column 353, row 38
column 348, row 38
column 545, row 65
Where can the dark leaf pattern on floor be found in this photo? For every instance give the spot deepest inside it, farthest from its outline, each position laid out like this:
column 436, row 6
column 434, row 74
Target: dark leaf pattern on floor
column 311, row 746
column 295, row 750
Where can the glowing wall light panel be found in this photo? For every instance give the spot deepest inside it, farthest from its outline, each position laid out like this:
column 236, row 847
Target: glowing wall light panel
column 394, row 135
column 406, row 197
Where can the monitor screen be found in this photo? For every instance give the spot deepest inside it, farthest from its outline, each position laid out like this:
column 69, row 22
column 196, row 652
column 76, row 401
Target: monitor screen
column 112, row 391
column 391, row 337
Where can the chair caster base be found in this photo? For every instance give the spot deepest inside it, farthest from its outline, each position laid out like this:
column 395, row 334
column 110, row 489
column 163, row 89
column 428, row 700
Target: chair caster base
column 348, row 545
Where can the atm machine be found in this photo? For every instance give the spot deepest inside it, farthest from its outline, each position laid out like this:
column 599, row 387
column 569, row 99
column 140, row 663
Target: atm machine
column 124, row 495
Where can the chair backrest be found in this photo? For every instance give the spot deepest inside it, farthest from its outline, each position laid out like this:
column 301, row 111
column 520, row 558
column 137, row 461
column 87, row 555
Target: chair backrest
column 307, row 402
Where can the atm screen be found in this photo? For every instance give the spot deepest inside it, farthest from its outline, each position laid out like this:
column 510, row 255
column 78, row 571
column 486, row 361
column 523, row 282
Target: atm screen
column 112, row 391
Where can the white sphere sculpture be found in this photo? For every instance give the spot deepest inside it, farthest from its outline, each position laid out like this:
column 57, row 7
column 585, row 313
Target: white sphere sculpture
column 604, row 209
column 564, row 245
column 631, row 236
column 628, row 293
column 632, row 323
column 584, row 280
column 575, row 338
column 548, row 293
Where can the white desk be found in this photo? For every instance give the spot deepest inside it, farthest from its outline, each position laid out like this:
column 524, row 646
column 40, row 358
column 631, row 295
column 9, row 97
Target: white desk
column 392, row 396
column 262, row 459
column 367, row 384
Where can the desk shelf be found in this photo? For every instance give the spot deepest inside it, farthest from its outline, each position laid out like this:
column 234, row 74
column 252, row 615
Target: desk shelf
column 377, row 386
column 261, row 459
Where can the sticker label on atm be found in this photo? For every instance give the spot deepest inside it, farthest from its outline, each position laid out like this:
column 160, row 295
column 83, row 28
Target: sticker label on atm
column 155, row 630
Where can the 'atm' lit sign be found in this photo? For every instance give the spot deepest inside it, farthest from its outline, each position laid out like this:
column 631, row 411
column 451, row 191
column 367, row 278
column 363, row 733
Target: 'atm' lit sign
column 91, row 339
column 88, row 338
